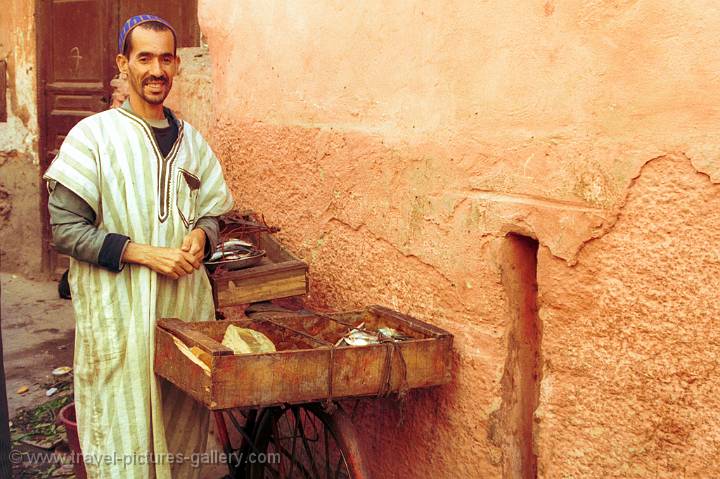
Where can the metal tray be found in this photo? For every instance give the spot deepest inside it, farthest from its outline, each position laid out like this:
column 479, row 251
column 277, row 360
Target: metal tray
column 235, row 264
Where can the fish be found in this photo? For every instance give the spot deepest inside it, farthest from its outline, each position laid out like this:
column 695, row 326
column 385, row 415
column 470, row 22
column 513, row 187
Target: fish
column 359, row 336
column 232, row 249
column 234, row 242
column 393, row 334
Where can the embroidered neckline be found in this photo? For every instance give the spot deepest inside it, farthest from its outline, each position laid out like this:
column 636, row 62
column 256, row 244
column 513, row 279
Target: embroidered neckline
column 164, row 164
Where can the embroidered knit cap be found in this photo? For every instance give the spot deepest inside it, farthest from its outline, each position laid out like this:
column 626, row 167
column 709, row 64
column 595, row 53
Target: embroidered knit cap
column 133, row 22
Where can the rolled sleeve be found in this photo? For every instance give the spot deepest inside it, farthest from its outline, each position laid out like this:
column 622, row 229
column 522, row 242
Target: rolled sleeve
column 211, row 227
column 111, row 252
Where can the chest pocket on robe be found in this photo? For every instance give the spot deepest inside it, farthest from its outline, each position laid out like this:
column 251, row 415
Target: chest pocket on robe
column 187, row 188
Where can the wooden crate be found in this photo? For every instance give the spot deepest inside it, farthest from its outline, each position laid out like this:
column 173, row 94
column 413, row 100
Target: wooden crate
column 306, row 367
column 279, row 275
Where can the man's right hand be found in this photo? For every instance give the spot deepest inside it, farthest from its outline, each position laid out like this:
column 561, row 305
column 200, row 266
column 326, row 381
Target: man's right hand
column 171, row 262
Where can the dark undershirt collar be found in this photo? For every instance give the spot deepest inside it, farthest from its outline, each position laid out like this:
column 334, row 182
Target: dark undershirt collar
column 165, row 136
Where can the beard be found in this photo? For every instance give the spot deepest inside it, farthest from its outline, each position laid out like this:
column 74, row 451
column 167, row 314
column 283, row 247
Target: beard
column 142, row 88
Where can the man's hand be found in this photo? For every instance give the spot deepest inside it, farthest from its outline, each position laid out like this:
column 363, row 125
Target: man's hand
column 171, row 262
column 194, row 243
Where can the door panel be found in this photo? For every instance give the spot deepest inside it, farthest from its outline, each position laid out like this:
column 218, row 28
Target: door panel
column 79, row 64
column 74, row 49
column 76, row 64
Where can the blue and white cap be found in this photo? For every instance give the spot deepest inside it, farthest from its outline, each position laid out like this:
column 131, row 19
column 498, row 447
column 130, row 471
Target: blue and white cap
column 133, row 22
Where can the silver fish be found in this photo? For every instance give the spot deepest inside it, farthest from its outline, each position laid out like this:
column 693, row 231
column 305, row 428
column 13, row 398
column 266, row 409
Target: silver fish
column 358, row 337
column 393, row 334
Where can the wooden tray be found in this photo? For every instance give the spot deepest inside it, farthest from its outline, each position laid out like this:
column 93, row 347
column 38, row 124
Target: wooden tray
column 306, row 367
column 279, row 275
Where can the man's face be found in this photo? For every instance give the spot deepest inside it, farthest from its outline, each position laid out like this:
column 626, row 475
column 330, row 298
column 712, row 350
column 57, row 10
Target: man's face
column 152, row 64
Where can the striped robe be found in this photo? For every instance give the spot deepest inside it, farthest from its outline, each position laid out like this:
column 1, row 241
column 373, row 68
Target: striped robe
column 126, row 414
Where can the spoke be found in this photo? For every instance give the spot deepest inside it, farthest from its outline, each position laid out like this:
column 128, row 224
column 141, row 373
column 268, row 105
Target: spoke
column 300, row 466
column 341, row 460
column 292, row 451
column 314, row 421
column 305, row 443
column 291, row 437
column 276, row 434
column 337, row 468
column 268, row 468
column 268, row 415
column 327, row 453
column 241, row 430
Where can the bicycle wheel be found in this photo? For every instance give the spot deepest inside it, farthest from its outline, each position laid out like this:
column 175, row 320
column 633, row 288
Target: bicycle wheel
column 235, row 429
column 305, row 442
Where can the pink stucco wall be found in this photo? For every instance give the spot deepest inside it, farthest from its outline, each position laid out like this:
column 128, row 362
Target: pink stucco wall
column 630, row 338
column 398, row 143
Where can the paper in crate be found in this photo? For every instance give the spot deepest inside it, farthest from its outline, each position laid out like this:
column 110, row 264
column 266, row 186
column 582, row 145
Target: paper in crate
column 307, row 366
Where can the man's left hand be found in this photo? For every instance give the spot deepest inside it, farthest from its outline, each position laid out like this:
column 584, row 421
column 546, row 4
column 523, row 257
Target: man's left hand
column 194, row 243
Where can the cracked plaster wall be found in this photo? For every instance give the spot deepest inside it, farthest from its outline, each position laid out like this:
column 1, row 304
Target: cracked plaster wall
column 630, row 340
column 397, row 144
column 192, row 88
column 20, row 222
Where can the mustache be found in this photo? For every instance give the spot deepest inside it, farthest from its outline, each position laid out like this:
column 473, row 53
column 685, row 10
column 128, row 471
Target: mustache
column 163, row 79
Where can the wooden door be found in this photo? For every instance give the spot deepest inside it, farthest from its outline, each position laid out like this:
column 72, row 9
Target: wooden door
column 77, row 43
column 76, row 47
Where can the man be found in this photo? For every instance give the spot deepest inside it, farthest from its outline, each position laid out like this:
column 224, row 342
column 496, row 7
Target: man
column 134, row 193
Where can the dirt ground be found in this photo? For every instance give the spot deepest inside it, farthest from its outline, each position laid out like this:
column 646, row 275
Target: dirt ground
column 38, row 331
